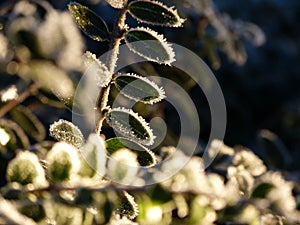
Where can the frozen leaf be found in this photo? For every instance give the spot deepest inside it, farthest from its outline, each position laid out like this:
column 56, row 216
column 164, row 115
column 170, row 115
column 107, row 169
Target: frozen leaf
column 89, row 22
column 150, row 45
column 29, row 122
column 118, row 4
column 128, row 206
column 25, row 168
column 63, row 130
column 123, row 166
column 130, row 125
column 62, row 161
column 94, row 157
column 95, row 66
column 139, row 88
column 145, row 157
column 156, row 13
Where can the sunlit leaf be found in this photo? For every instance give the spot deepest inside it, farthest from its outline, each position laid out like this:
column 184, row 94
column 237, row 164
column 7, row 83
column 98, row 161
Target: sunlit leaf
column 16, row 135
column 122, row 166
column 154, row 13
column 139, row 88
column 150, row 45
column 118, row 4
column 128, row 206
column 130, row 125
column 62, row 162
column 29, row 122
column 89, row 22
column 25, row 169
column 63, row 130
column 94, row 157
column 144, row 156
column 49, row 76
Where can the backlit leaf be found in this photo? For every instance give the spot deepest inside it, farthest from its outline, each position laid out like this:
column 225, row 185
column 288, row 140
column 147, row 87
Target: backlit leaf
column 66, row 131
column 118, row 4
column 150, row 45
column 144, row 156
column 139, row 88
column 130, row 125
column 89, row 22
column 154, row 13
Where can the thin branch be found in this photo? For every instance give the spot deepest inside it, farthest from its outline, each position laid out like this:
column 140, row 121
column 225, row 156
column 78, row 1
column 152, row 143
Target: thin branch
column 10, row 105
column 117, row 36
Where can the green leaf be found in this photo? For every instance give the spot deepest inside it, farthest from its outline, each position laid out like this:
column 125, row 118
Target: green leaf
column 89, row 22
column 63, row 130
column 25, row 169
column 150, row 45
column 156, row 13
column 33, row 210
column 93, row 157
column 128, row 206
column 62, row 161
column 49, row 76
column 16, row 135
column 145, row 157
column 29, row 122
column 118, row 4
column 130, row 125
column 139, row 88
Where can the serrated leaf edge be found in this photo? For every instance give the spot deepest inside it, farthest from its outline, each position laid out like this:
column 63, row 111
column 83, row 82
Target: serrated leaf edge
column 160, row 90
column 167, row 46
column 171, row 9
column 128, row 133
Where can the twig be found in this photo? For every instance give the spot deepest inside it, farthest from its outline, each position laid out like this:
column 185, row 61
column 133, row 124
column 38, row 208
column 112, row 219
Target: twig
column 112, row 60
column 10, row 105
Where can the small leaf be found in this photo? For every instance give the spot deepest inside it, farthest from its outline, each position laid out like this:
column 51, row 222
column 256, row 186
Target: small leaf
column 63, row 130
column 118, row 4
column 130, row 125
column 150, row 45
column 139, row 88
column 95, row 66
column 62, row 161
column 128, row 206
column 29, row 122
column 25, row 169
column 17, row 137
column 122, row 167
column 156, row 13
column 94, row 157
column 145, row 157
column 89, row 22
column 262, row 190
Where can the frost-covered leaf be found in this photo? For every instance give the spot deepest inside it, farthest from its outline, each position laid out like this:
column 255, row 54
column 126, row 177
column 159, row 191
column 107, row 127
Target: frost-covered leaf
column 12, row 137
column 139, row 88
column 25, row 168
column 89, row 22
column 145, row 157
column 95, row 66
column 29, row 122
column 122, row 166
column 10, row 93
column 94, row 157
column 130, row 125
column 62, row 162
column 118, row 4
column 128, row 206
column 63, row 130
column 150, row 45
column 154, row 12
